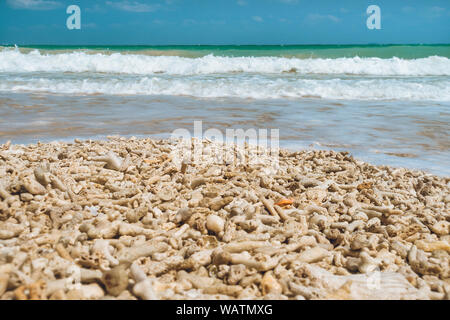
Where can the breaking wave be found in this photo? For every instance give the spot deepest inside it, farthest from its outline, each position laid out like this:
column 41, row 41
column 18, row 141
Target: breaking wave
column 255, row 87
column 12, row 60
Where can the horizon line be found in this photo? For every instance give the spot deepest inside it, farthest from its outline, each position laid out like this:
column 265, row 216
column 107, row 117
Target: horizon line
column 236, row 45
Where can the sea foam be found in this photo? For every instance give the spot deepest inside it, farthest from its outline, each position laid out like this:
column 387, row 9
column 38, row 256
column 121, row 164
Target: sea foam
column 255, row 87
column 12, row 60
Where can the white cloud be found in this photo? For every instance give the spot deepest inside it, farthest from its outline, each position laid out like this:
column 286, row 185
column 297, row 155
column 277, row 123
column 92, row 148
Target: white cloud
column 437, row 10
column 314, row 17
column 132, row 6
column 257, row 18
column 343, row 10
column 33, row 4
column 241, row 3
column 333, row 18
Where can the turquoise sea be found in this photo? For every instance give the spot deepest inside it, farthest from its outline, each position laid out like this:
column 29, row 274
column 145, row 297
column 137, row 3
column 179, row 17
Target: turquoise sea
column 413, row 51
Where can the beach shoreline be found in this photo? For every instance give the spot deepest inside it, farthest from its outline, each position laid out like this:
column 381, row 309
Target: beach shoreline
column 384, row 104
column 124, row 218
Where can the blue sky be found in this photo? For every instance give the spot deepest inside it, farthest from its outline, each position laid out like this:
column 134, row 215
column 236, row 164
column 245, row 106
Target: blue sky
column 168, row 22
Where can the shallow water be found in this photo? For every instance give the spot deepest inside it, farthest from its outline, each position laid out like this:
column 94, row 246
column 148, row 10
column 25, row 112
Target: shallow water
column 410, row 134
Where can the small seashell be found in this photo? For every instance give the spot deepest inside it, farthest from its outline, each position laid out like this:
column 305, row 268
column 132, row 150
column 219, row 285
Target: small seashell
column 26, row 197
column 215, row 223
column 112, row 160
column 284, row 202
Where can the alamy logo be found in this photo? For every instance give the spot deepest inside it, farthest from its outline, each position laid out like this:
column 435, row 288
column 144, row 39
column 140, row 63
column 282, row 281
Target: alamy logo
column 74, row 20
column 374, row 20
column 214, row 147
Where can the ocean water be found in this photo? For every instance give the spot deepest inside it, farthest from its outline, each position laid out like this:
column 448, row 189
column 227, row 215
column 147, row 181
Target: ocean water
column 385, row 104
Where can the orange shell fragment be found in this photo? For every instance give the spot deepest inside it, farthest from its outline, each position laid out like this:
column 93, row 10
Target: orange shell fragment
column 284, row 202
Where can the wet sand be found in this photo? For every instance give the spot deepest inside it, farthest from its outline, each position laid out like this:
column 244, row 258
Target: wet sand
column 402, row 134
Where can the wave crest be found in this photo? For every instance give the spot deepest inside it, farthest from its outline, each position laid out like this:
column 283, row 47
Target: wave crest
column 255, row 87
column 12, row 60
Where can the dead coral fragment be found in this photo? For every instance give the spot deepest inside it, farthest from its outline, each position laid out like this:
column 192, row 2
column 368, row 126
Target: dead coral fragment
column 270, row 285
column 111, row 159
column 33, row 187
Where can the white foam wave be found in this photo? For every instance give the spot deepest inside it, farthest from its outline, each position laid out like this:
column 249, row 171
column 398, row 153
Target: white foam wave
column 251, row 87
column 12, row 60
